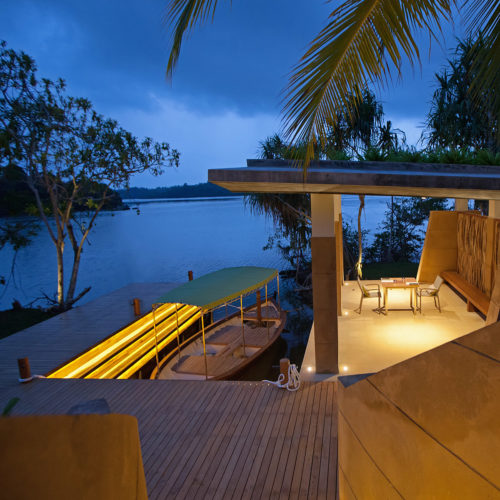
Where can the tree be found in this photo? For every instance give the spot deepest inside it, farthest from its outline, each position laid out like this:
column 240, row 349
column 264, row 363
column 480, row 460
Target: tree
column 70, row 155
column 456, row 120
column 401, row 235
column 364, row 42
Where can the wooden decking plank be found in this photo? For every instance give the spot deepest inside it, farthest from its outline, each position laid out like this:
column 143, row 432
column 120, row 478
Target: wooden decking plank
column 234, row 448
column 295, row 449
column 308, row 472
column 303, row 447
column 285, row 445
column 332, row 462
column 179, row 432
column 162, row 417
column 262, row 401
column 229, row 493
column 253, row 476
column 191, row 432
column 253, row 446
column 268, row 466
column 328, row 441
column 192, row 453
column 222, row 434
column 211, row 428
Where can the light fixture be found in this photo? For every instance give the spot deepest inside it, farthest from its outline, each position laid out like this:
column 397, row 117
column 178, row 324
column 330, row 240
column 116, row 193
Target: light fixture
column 309, row 368
column 345, row 368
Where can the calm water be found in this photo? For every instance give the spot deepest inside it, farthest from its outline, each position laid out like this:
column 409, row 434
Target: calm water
column 161, row 244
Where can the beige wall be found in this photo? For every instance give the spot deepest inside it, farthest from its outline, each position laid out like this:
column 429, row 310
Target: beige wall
column 425, row 428
column 440, row 246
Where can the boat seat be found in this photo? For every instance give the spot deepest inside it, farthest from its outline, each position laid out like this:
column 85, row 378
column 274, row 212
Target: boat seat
column 225, row 335
column 195, row 365
column 229, row 348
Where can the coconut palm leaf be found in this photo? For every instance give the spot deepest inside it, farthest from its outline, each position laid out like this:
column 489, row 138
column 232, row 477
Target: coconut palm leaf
column 483, row 17
column 185, row 15
column 361, row 43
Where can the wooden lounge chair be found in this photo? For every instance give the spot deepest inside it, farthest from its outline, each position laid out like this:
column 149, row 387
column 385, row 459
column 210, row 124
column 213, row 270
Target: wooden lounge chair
column 430, row 291
column 369, row 292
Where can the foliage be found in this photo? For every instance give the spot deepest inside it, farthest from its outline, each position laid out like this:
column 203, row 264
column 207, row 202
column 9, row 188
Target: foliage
column 363, row 42
column 201, row 190
column 69, row 152
column 10, row 406
column 456, row 120
column 401, row 234
column 18, row 318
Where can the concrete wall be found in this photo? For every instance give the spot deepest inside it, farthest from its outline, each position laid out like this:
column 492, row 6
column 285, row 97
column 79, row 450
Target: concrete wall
column 440, row 246
column 426, row 428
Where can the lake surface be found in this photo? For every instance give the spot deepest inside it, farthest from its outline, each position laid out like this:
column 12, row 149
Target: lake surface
column 166, row 240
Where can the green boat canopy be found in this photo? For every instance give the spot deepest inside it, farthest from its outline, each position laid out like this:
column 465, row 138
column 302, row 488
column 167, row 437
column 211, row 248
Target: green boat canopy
column 219, row 287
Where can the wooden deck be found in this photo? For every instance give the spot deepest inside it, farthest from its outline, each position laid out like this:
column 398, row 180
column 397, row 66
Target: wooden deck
column 214, row 439
column 59, row 339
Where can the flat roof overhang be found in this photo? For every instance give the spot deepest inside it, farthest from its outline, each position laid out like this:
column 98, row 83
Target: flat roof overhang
column 371, row 178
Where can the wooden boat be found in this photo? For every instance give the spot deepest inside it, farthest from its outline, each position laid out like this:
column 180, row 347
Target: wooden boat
column 230, row 344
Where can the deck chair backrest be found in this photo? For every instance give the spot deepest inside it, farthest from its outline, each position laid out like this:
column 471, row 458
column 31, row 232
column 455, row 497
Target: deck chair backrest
column 362, row 288
column 438, row 282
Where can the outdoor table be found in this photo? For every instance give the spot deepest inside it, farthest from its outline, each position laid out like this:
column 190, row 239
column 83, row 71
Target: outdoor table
column 398, row 283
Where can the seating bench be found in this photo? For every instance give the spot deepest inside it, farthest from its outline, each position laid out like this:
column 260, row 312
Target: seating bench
column 475, row 297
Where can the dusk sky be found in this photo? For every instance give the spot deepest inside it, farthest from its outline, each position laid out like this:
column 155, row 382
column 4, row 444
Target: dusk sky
column 225, row 96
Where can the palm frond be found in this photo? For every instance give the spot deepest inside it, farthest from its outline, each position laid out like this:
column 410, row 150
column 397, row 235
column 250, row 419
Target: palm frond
column 362, row 42
column 183, row 16
column 482, row 18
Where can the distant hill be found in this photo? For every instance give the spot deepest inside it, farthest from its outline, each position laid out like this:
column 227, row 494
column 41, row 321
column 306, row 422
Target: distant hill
column 202, row 190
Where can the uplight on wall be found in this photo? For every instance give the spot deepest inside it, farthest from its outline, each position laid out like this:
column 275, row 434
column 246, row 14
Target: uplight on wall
column 309, row 368
column 345, row 368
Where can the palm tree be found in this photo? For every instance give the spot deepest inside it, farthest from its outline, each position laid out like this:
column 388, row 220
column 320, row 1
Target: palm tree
column 455, row 120
column 364, row 42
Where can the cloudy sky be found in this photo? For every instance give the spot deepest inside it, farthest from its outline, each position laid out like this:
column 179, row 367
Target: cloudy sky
column 225, row 96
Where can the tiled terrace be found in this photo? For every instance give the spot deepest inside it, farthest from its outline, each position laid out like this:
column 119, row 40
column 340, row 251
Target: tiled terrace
column 370, row 342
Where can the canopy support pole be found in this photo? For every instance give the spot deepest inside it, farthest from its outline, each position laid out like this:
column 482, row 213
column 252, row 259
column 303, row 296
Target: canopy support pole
column 178, row 340
column 204, row 346
column 267, row 322
column 156, row 341
column 278, row 284
column 242, row 325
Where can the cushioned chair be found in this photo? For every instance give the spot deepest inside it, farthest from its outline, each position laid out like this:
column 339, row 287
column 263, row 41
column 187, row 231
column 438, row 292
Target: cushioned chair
column 369, row 292
column 430, row 291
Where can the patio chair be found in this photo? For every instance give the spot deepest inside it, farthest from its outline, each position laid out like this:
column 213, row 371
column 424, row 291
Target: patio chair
column 369, row 292
column 430, row 291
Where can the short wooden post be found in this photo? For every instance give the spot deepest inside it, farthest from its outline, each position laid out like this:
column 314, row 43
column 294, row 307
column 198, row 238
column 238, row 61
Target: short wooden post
column 190, row 275
column 24, row 368
column 137, row 307
column 284, row 365
column 259, row 308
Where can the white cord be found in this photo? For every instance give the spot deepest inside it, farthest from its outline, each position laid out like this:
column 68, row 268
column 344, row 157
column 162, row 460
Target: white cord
column 293, row 383
column 29, row 379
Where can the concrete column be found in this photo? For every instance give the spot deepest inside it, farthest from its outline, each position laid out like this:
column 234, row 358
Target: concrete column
column 324, row 278
column 461, row 204
column 494, row 209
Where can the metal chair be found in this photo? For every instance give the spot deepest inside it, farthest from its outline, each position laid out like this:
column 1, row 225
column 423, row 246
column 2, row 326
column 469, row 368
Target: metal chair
column 369, row 292
column 430, row 291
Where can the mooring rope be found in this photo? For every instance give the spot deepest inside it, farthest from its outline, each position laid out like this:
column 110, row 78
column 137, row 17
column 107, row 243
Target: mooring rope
column 293, row 383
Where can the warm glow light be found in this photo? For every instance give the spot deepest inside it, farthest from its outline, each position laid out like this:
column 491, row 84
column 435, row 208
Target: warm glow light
column 345, row 368
column 345, row 313
column 309, row 368
column 346, row 283
column 125, row 352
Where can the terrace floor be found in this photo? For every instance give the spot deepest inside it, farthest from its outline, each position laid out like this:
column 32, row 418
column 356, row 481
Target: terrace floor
column 370, row 342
